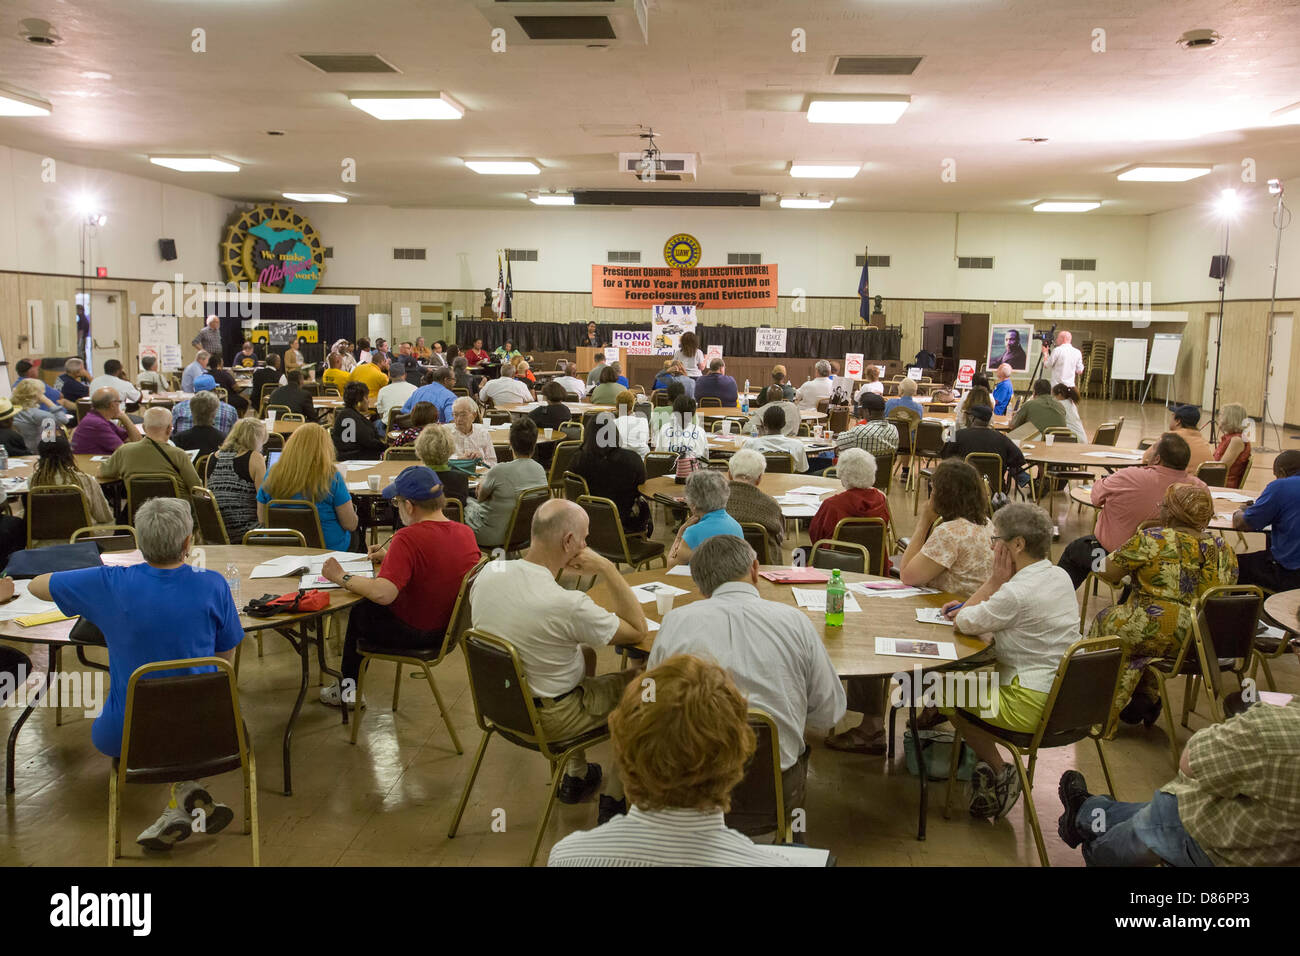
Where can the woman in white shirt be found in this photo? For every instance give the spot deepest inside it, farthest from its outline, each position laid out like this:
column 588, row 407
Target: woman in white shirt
column 1028, row 609
column 682, row 435
column 469, row 438
column 633, row 429
column 1068, row 396
column 871, row 383
column 690, row 355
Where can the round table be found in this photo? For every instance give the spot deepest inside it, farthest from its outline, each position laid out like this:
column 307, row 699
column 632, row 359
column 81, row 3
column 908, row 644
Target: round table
column 1082, row 494
column 665, row 486
column 732, row 443
column 386, row 471
column 1283, row 609
column 1079, row 455
column 56, row 635
column 805, row 414
column 1000, row 422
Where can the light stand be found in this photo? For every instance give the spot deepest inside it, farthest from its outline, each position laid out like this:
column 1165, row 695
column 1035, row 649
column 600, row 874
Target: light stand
column 1281, row 219
column 1227, row 205
column 89, row 220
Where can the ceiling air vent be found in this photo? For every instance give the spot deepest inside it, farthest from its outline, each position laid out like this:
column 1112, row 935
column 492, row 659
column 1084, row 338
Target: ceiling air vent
column 348, row 62
column 974, row 262
column 521, row 255
column 625, row 258
column 744, row 258
column 663, row 197
column 669, row 167
column 875, row 262
column 875, row 65
column 592, row 23
column 329, row 252
column 1078, row 265
column 408, row 253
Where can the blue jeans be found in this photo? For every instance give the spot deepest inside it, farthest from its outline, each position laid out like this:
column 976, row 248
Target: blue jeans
column 1137, row 834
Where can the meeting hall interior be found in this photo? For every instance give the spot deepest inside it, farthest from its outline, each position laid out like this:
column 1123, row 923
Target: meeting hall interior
column 501, row 433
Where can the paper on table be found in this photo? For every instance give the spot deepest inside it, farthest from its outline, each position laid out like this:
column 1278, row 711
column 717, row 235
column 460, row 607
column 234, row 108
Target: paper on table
column 862, row 587
column 815, row 490
column 796, row 576
column 814, row 599
column 645, row 593
column 1274, row 698
column 320, row 583
column 358, row 486
column 1231, row 496
column 931, row 615
column 99, row 458
column 292, row 565
column 680, row 570
column 798, row 510
column 796, row 855
column 24, row 603
column 360, row 465
column 930, row 650
column 651, row 626
column 1128, row 456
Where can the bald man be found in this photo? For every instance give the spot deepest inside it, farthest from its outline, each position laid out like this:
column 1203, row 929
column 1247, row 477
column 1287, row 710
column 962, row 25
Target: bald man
column 556, row 632
column 153, row 454
column 1064, row 363
column 1003, row 390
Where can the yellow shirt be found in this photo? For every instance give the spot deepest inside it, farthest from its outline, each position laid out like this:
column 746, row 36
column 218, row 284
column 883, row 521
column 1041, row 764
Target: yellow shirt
column 336, row 378
column 371, row 376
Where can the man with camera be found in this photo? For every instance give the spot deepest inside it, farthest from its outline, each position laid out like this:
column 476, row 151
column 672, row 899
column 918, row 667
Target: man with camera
column 1063, row 363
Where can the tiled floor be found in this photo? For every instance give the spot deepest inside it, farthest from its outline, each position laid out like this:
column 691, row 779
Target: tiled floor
column 389, row 800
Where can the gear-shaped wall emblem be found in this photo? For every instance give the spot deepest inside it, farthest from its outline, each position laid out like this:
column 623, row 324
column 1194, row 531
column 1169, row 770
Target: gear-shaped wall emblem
column 275, row 247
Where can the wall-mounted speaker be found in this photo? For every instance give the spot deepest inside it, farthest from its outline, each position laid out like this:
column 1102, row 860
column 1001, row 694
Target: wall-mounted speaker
column 167, row 249
column 1219, row 266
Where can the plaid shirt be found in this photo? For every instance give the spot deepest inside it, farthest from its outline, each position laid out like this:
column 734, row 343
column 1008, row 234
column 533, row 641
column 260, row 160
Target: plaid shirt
column 877, row 437
column 183, row 419
column 1242, row 803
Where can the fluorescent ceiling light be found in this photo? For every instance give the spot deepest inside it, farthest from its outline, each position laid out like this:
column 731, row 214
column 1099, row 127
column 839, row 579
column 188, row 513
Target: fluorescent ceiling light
column 503, row 167
column 1287, row 114
column 315, row 197
column 824, row 170
column 878, row 109
column 195, row 164
column 1164, row 173
column 806, row 202
column 13, row 103
column 551, row 199
column 1060, row 205
column 430, row 105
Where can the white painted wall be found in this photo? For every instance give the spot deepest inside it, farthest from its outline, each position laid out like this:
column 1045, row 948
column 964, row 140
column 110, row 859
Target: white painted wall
column 39, row 229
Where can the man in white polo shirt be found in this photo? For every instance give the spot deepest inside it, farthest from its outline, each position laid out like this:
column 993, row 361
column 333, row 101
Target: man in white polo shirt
column 1064, row 363
column 556, row 632
column 811, row 392
column 506, row 390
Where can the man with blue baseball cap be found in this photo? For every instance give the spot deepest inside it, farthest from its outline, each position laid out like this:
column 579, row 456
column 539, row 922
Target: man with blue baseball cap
column 409, row 600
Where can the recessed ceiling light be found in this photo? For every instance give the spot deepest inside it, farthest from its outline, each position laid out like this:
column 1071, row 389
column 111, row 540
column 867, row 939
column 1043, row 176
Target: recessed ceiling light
column 14, row 103
column 503, row 167
column 1062, row 205
column 275, row 132
column 1164, row 173
column 551, row 199
column 1287, row 114
column 195, row 164
column 428, row 105
column 876, row 109
column 96, row 75
column 1199, row 39
column 806, row 202
column 315, row 197
column 824, row 170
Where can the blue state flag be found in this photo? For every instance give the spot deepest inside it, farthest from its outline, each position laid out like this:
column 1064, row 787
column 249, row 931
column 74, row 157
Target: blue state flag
column 510, row 290
column 864, row 292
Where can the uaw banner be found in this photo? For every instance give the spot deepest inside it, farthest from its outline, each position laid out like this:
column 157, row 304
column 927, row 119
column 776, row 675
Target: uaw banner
column 720, row 287
column 668, row 323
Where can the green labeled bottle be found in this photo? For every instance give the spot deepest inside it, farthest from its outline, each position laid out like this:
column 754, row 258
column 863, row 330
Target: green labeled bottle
column 835, row 600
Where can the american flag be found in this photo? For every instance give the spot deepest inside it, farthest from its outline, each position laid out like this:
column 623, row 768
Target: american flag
column 499, row 297
column 510, row 290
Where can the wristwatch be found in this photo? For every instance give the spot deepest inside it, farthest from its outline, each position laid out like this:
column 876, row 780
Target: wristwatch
column 346, row 579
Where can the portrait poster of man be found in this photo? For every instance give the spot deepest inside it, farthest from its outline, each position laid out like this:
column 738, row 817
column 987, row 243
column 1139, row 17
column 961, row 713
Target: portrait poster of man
column 1009, row 344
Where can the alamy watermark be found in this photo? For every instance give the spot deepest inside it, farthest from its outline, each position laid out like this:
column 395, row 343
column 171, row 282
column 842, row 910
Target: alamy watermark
column 72, row 689
column 1096, row 300
column 974, row 691
column 234, row 300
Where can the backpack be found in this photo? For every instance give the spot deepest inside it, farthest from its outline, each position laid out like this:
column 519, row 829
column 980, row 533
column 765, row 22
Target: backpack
column 295, row 602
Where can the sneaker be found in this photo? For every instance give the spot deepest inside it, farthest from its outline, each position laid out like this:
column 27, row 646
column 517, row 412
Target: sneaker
column 983, row 795
column 168, row 830
column 1073, row 791
column 578, row 789
column 609, row 809
column 331, row 696
column 191, row 796
column 1008, row 790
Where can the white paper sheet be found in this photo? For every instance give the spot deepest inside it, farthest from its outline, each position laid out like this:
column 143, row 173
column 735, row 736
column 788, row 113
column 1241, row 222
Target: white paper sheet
column 293, row 565
column 358, row 486
column 814, row 599
column 926, row 650
column 1232, row 496
column 931, row 615
column 1127, row 456
column 796, row 855
column 24, row 603
column 360, row 465
column 318, row 582
column 798, row 510
column 905, row 592
column 646, row 593
column 681, row 571
column 815, row 491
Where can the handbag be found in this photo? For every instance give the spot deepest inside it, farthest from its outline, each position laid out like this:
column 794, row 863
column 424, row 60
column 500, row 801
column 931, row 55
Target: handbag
column 295, row 602
column 938, row 755
column 685, row 466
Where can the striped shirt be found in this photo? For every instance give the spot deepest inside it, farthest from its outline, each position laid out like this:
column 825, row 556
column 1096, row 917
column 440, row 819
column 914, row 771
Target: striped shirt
column 668, row 837
column 183, row 417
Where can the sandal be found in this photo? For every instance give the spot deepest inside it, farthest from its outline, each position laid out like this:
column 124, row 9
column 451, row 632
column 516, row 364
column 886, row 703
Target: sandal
column 850, row 741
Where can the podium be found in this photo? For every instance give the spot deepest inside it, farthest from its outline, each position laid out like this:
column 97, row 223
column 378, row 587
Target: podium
column 587, row 358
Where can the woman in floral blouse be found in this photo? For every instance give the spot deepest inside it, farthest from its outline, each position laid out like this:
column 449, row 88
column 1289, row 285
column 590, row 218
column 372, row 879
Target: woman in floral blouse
column 1170, row 566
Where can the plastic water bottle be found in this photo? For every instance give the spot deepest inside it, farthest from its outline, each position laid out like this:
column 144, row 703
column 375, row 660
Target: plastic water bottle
column 232, row 578
column 744, row 398
column 4, row 460
column 835, row 600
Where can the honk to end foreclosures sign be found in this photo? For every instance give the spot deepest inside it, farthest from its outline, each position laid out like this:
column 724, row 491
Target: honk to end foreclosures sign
column 722, row 287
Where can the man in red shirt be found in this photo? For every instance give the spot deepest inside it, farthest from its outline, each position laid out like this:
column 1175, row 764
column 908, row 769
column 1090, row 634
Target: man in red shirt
column 408, row 603
column 1127, row 498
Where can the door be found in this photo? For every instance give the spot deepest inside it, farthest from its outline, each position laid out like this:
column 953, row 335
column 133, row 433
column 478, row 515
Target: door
column 973, row 338
column 1211, row 361
column 1279, row 371
column 105, row 329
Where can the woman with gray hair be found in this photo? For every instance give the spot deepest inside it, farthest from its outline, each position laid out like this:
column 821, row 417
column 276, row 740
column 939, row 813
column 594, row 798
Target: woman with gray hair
column 707, row 492
column 160, row 610
column 203, row 434
column 747, row 504
column 469, row 437
column 1027, row 609
column 859, row 499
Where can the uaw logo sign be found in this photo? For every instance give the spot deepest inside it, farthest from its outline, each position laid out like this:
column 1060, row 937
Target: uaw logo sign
column 682, row 251
column 274, row 248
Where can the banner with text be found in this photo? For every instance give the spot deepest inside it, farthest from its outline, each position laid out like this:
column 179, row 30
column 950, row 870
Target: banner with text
column 769, row 340
column 636, row 343
column 720, row 287
column 668, row 323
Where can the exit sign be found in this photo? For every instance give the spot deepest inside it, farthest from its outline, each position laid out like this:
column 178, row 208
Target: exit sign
column 101, row 272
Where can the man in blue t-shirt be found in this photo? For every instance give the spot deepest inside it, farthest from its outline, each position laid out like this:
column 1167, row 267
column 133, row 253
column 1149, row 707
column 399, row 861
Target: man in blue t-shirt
column 1003, row 390
column 160, row 610
column 1276, row 567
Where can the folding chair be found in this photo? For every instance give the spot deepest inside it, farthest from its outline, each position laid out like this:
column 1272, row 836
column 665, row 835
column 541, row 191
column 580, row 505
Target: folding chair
column 211, row 525
column 760, row 795
column 299, row 515
column 575, row 486
column 520, row 530
column 844, row 555
column 605, row 535
column 756, row 535
column 867, row 532
column 54, row 512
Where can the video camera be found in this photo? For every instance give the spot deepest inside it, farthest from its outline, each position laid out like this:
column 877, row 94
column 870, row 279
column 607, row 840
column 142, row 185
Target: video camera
column 1048, row 338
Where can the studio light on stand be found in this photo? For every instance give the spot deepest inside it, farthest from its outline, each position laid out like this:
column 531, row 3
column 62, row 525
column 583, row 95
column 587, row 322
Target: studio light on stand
column 1225, row 208
column 1281, row 219
column 90, row 218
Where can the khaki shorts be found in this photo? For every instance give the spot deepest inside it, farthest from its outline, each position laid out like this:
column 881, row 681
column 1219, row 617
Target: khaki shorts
column 585, row 709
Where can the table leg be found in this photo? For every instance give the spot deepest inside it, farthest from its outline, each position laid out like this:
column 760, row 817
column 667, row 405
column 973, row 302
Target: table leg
column 918, row 747
column 300, row 645
column 12, row 745
column 324, row 668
